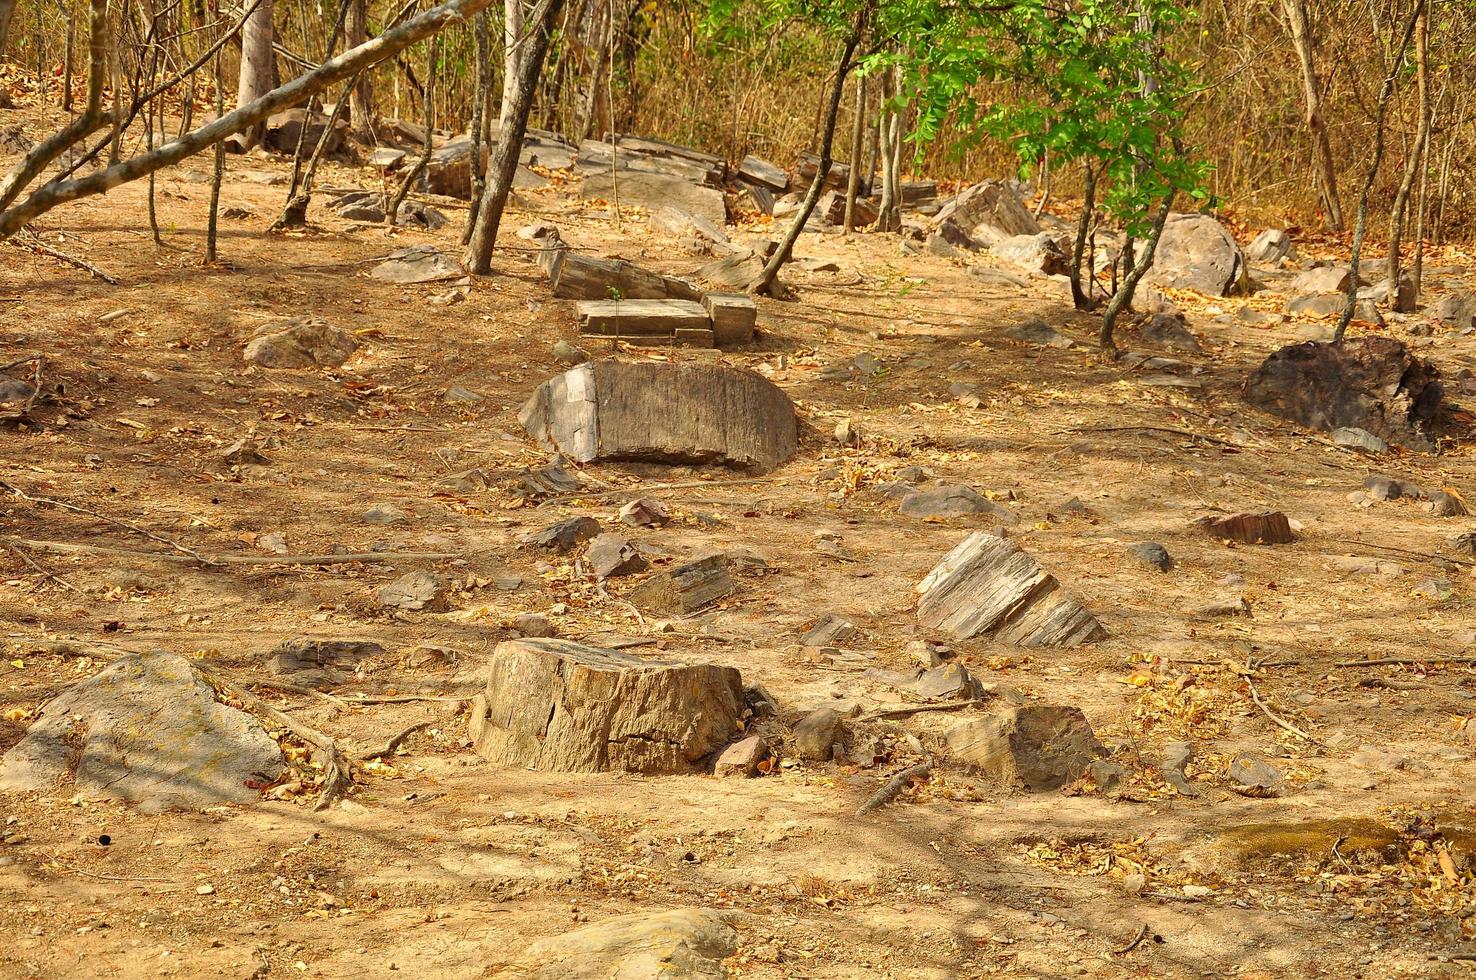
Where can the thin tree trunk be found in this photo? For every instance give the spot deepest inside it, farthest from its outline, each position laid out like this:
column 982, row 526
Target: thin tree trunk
column 1084, row 300
column 483, row 40
column 213, row 221
column 392, row 210
column 258, row 63
column 534, row 48
column 858, row 134
column 339, row 69
column 307, row 118
column 294, row 214
column 1361, row 224
column 1296, row 15
column 512, row 38
column 890, row 126
column 7, row 11
column 68, row 68
column 766, row 279
column 361, row 104
column 603, row 32
column 1122, row 298
column 1414, row 162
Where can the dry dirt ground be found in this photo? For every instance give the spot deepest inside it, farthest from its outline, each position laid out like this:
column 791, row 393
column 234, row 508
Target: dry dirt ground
column 441, row 865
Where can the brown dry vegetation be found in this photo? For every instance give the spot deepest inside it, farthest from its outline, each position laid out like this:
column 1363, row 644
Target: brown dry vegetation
column 443, row 866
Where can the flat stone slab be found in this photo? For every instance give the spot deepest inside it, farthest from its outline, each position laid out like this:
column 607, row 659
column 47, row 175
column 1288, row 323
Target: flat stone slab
column 664, row 413
column 148, row 729
column 640, row 317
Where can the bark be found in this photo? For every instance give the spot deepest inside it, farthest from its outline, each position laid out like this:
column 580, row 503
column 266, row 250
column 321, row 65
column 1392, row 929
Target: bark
column 764, row 283
column 392, row 211
column 213, row 222
column 533, row 49
column 1122, row 298
column 482, row 38
column 603, row 31
column 512, row 39
column 1296, row 15
column 312, row 107
column 1399, row 212
column 1084, row 300
column 89, row 122
column 294, row 215
column 1361, row 223
column 258, row 63
column 858, row 135
column 361, row 104
column 7, row 10
column 295, row 92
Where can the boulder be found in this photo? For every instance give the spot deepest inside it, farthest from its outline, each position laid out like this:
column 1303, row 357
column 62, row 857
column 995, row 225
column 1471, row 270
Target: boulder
column 1033, row 253
column 1036, row 331
column 988, row 585
column 817, row 733
column 653, row 191
column 283, row 129
column 557, row 705
column 1037, row 746
column 1269, row 247
column 984, row 213
column 1458, row 309
column 1369, row 383
column 1197, row 252
column 679, row 944
column 147, row 729
column 664, row 413
column 298, row 342
column 417, row 264
column 1323, row 279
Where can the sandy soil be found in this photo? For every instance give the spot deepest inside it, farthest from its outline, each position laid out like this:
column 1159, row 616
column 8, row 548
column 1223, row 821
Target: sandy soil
column 441, row 865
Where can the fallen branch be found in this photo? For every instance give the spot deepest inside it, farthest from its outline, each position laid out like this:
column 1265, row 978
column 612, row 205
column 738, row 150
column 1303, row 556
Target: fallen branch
column 351, row 558
column 291, row 688
column 102, row 877
column 336, row 779
column 63, row 505
column 32, row 242
column 1404, row 661
column 585, row 495
column 399, row 698
column 914, row 709
column 1150, row 428
column 395, row 743
column 1405, row 551
column 1137, row 940
column 894, row 786
column 1279, row 721
column 20, row 553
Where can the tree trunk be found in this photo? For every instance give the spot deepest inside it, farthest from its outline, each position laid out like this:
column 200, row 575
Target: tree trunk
column 392, row 210
column 7, row 10
column 482, row 39
column 770, row 274
column 258, row 63
column 295, row 92
column 604, row 30
column 512, row 39
column 1327, row 188
column 212, row 223
column 858, row 135
column 1399, row 212
column 1122, row 298
column 1084, row 300
column 531, row 52
column 361, row 104
column 1361, row 222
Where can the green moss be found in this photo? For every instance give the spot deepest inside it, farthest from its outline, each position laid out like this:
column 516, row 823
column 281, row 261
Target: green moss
column 1308, row 838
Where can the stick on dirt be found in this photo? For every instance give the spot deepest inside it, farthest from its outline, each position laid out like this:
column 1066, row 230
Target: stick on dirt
column 895, row 785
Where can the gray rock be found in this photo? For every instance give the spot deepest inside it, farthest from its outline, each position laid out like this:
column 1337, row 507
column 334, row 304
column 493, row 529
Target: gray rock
column 565, row 535
column 318, row 662
column 1176, row 757
column 950, row 682
column 414, row 591
column 948, row 502
column 14, row 390
column 1250, row 775
column 566, row 353
column 417, row 264
column 1464, row 543
column 298, row 342
column 533, row 625
column 645, row 512
column 1458, row 309
column 611, row 556
column 816, row 734
column 1361, row 439
column 1152, row 554
column 1383, row 487
column 461, row 395
column 147, row 729
column 1034, row 253
column 1444, row 504
column 1324, row 279
column 1039, row 332
column 1224, row 608
column 830, row 630
column 1433, row 588
column 1332, row 304
column 1197, row 252
column 681, row 944
column 384, row 514
column 925, row 653
column 746, row 758
column 1269, row 247
column 1169, row 331
column 1039, row 747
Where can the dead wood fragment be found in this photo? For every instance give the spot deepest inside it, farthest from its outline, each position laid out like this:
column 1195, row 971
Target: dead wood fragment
column 32, row 242
column 1404, row 661
column 351, row 558
column 895, row 785
column 1279, row 721
column 20, row 553
column 394, row 743
column 1138, row 939
column 914, row 709
column 63, row 505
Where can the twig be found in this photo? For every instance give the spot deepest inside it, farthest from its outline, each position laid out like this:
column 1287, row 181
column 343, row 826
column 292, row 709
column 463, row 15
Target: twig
column 398, row 698
column 20, row 553
column 62, row 504
column 1151, row 428
column 586, row 495
column 35, row 244
column 294, row 689
column 1405, row 551
column 336, row 770
column 24, row 360
column 894, row 786
column 1339, row 854
column 1142, row 934
column 1283, row 723
column 1404, row 661
column 352, row 558
column 102, row 877
column 914, row 709
column 395, row 743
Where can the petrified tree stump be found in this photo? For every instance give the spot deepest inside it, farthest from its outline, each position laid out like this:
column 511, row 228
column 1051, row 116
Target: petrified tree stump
column 1270, row 527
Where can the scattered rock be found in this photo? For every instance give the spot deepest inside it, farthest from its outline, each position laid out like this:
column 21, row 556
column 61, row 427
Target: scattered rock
column 947, row 682
column 830, row 630
column 384, row 514
column 680, row 944
column 847, row 434
column 668, row 413
column 948, row 502
column 1197, row 252
column 416, row 264
column 1168, row 330
column 925, row 653
column 243, row 452
column 656, row 191
column 1039, row 747
column 1458, row 309
column 147, row 729
column 534, row 625
column 645, row 512
column 1443, row 504
column 462, row 396
column 1033, row 253
column 686, row 588
column 298, row 342
column 1433, row 588
column 817, row 734
column 1250, row 775
column 284, row 129
column 751, row 757
column 1270, row 527
column 1383, row 488
column 611, row 556
column 1349, row 437
column 1332, row 304
column 1224, row 608
column 987, row 584
column 1464, row 543
column 1039, row 332
column 1324, row 279
column 566, row 353
column 562, row 706
column 563, row 536
column 1270, row 247
column 984, row 213
column 1152, row 554
column 414, row 591
column 318, row 662
column 1176, row 758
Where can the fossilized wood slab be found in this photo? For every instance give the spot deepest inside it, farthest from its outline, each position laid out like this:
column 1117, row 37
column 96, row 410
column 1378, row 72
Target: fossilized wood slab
column 673, row 413
column 576, row 276
column 640, row 317
column 686, row 588
column 558, row 705
column 988, row 585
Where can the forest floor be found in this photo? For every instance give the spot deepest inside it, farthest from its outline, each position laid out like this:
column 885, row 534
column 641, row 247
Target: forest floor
column 442, row 865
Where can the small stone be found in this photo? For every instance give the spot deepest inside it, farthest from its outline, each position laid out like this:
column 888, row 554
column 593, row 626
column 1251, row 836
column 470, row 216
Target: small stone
column 275, row 542
column 1360, row 439
column 645, row 512
column 567, row 353
column 950, row 682
column 1039, row 332
column 1382, row 488
column 413, row 591
column 867, row 364
column 1106, row 776
column 384, row 514
column 610, row 556
column 1152, row 554
column 205, row 890
column 847, row 434
column 564, row 536
column 1197, row 891
column 950, row 502
column 924, row 653
column 533, row 625
column 1443, row 504
column 461, row 395
column 1224, row 608
column 1433, row 588
column 1253, row 776
column 830, row 630
column 816, row 734
column 748, row 758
